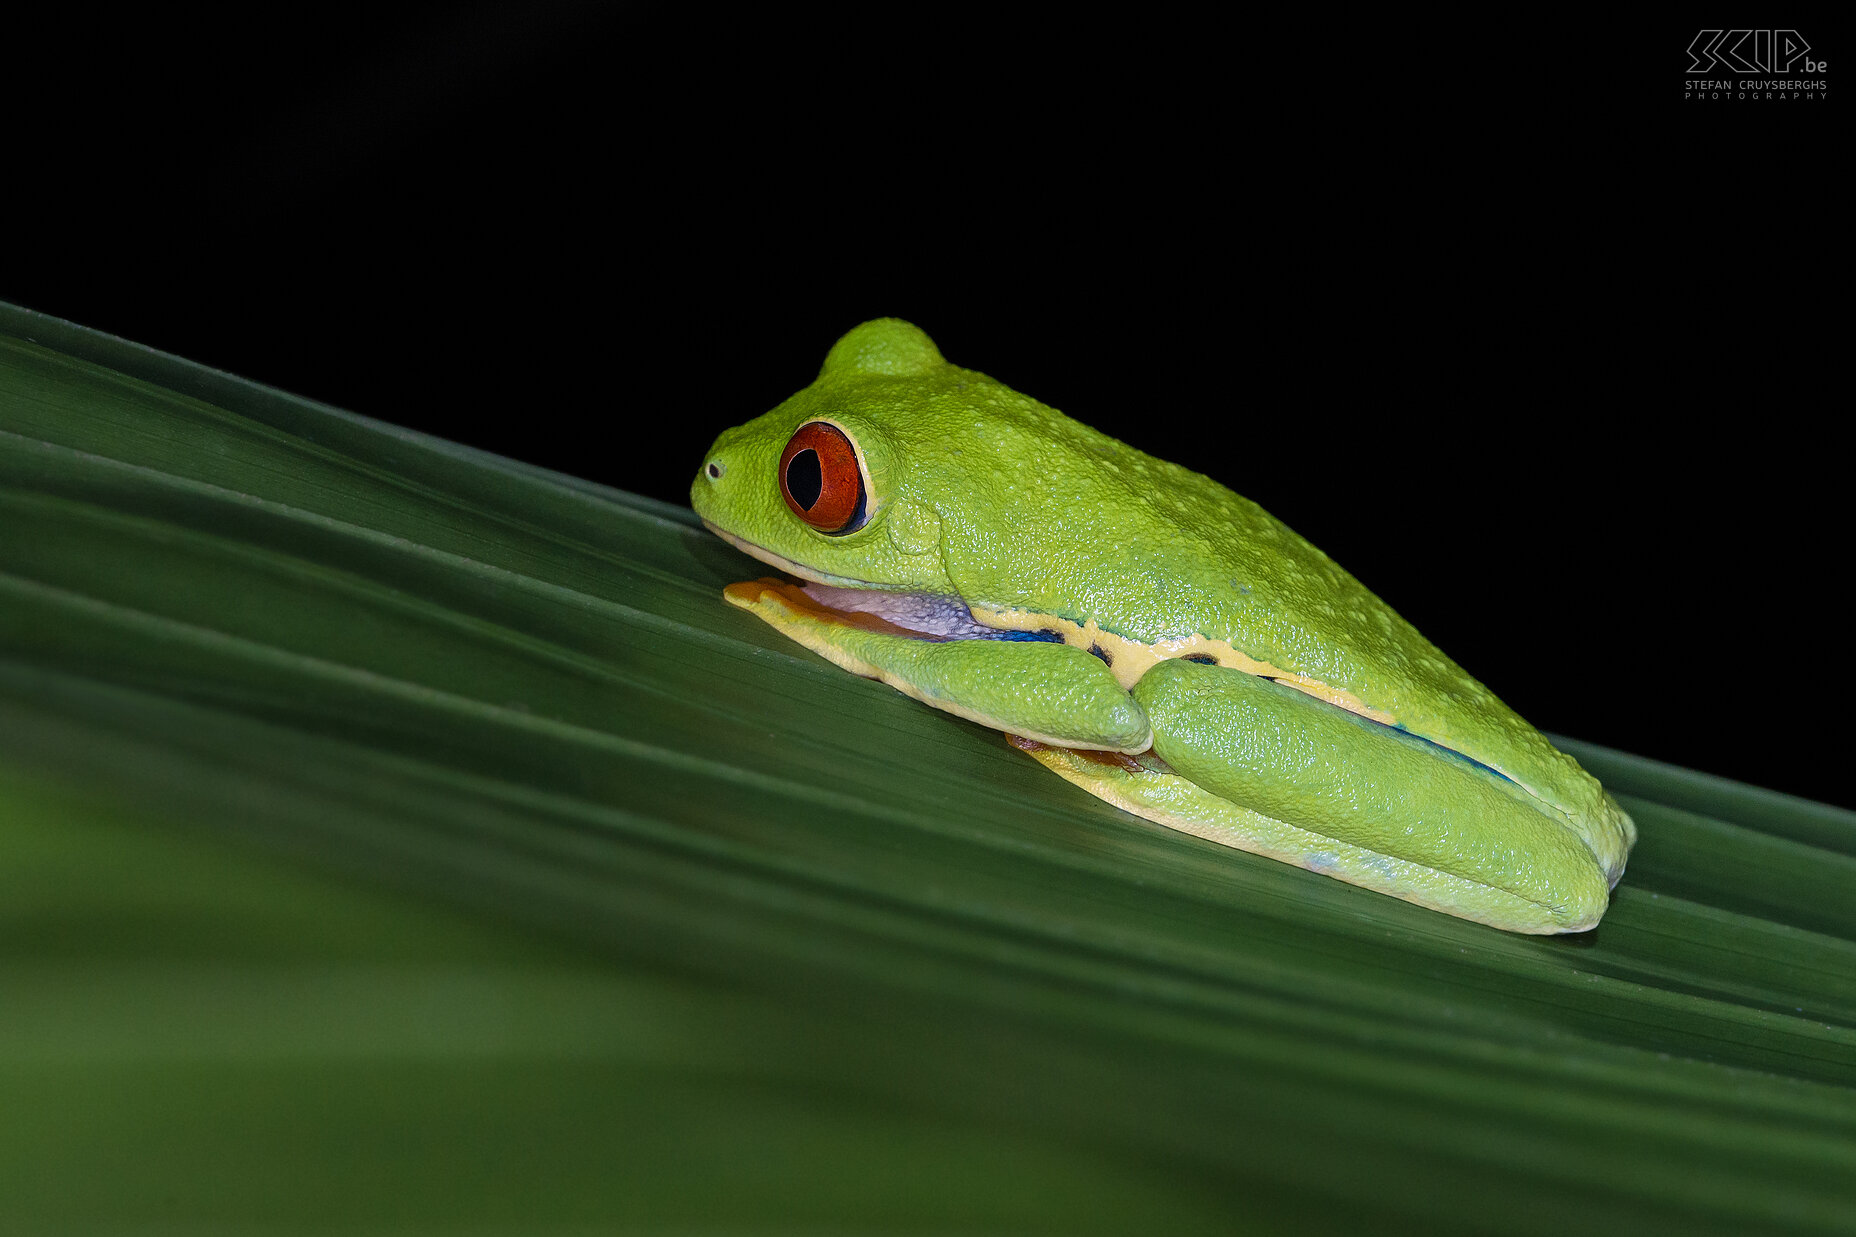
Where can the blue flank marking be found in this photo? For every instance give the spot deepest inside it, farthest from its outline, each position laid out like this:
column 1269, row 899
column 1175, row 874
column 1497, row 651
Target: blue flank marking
column 1048, row 637
column 1451, row 751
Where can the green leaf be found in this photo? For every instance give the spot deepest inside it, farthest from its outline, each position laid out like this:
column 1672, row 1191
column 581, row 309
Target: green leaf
column 395, row 837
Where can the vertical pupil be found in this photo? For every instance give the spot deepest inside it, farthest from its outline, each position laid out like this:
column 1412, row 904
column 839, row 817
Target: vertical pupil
column 803, row 481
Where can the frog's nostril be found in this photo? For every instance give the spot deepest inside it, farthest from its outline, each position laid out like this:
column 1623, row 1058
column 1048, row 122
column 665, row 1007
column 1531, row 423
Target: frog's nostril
column 715, row 471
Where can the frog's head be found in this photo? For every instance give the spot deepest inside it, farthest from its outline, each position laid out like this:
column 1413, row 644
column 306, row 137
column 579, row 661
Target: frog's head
column 825, row 485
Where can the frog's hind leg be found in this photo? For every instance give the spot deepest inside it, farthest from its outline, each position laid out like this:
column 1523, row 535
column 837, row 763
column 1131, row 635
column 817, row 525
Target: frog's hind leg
column 1145, row 786
column 1260, row 767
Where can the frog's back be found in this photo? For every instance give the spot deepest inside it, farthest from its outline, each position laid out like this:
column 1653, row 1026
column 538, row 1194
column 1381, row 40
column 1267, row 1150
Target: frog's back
column 1142, row 560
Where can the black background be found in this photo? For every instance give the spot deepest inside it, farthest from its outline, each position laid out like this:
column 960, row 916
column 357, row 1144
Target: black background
column 1534, row 348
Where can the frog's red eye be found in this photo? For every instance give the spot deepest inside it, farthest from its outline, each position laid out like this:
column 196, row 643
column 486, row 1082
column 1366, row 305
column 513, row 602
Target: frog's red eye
column 820, row 479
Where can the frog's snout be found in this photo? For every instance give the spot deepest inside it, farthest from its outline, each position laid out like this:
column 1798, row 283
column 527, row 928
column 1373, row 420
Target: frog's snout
column 709, row 486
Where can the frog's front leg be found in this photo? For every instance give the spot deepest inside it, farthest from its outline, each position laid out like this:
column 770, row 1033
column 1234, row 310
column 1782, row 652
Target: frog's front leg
column 1049, row 692
column 1253, row 764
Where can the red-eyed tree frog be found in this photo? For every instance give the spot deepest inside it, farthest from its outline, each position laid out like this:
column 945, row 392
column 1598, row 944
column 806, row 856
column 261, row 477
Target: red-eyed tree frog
column 1148, row 635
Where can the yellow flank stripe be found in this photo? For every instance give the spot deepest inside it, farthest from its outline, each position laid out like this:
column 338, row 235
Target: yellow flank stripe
column 1130, row 659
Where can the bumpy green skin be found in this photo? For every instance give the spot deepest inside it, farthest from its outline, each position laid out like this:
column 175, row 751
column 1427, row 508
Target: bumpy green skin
column 984, row 494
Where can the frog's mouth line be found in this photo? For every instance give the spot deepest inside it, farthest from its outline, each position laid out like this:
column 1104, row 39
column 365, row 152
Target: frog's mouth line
column 786, row 564
column 916, row 616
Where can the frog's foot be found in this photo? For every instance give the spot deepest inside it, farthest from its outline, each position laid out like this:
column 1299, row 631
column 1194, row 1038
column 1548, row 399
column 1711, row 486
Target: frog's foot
column 1247, row 763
